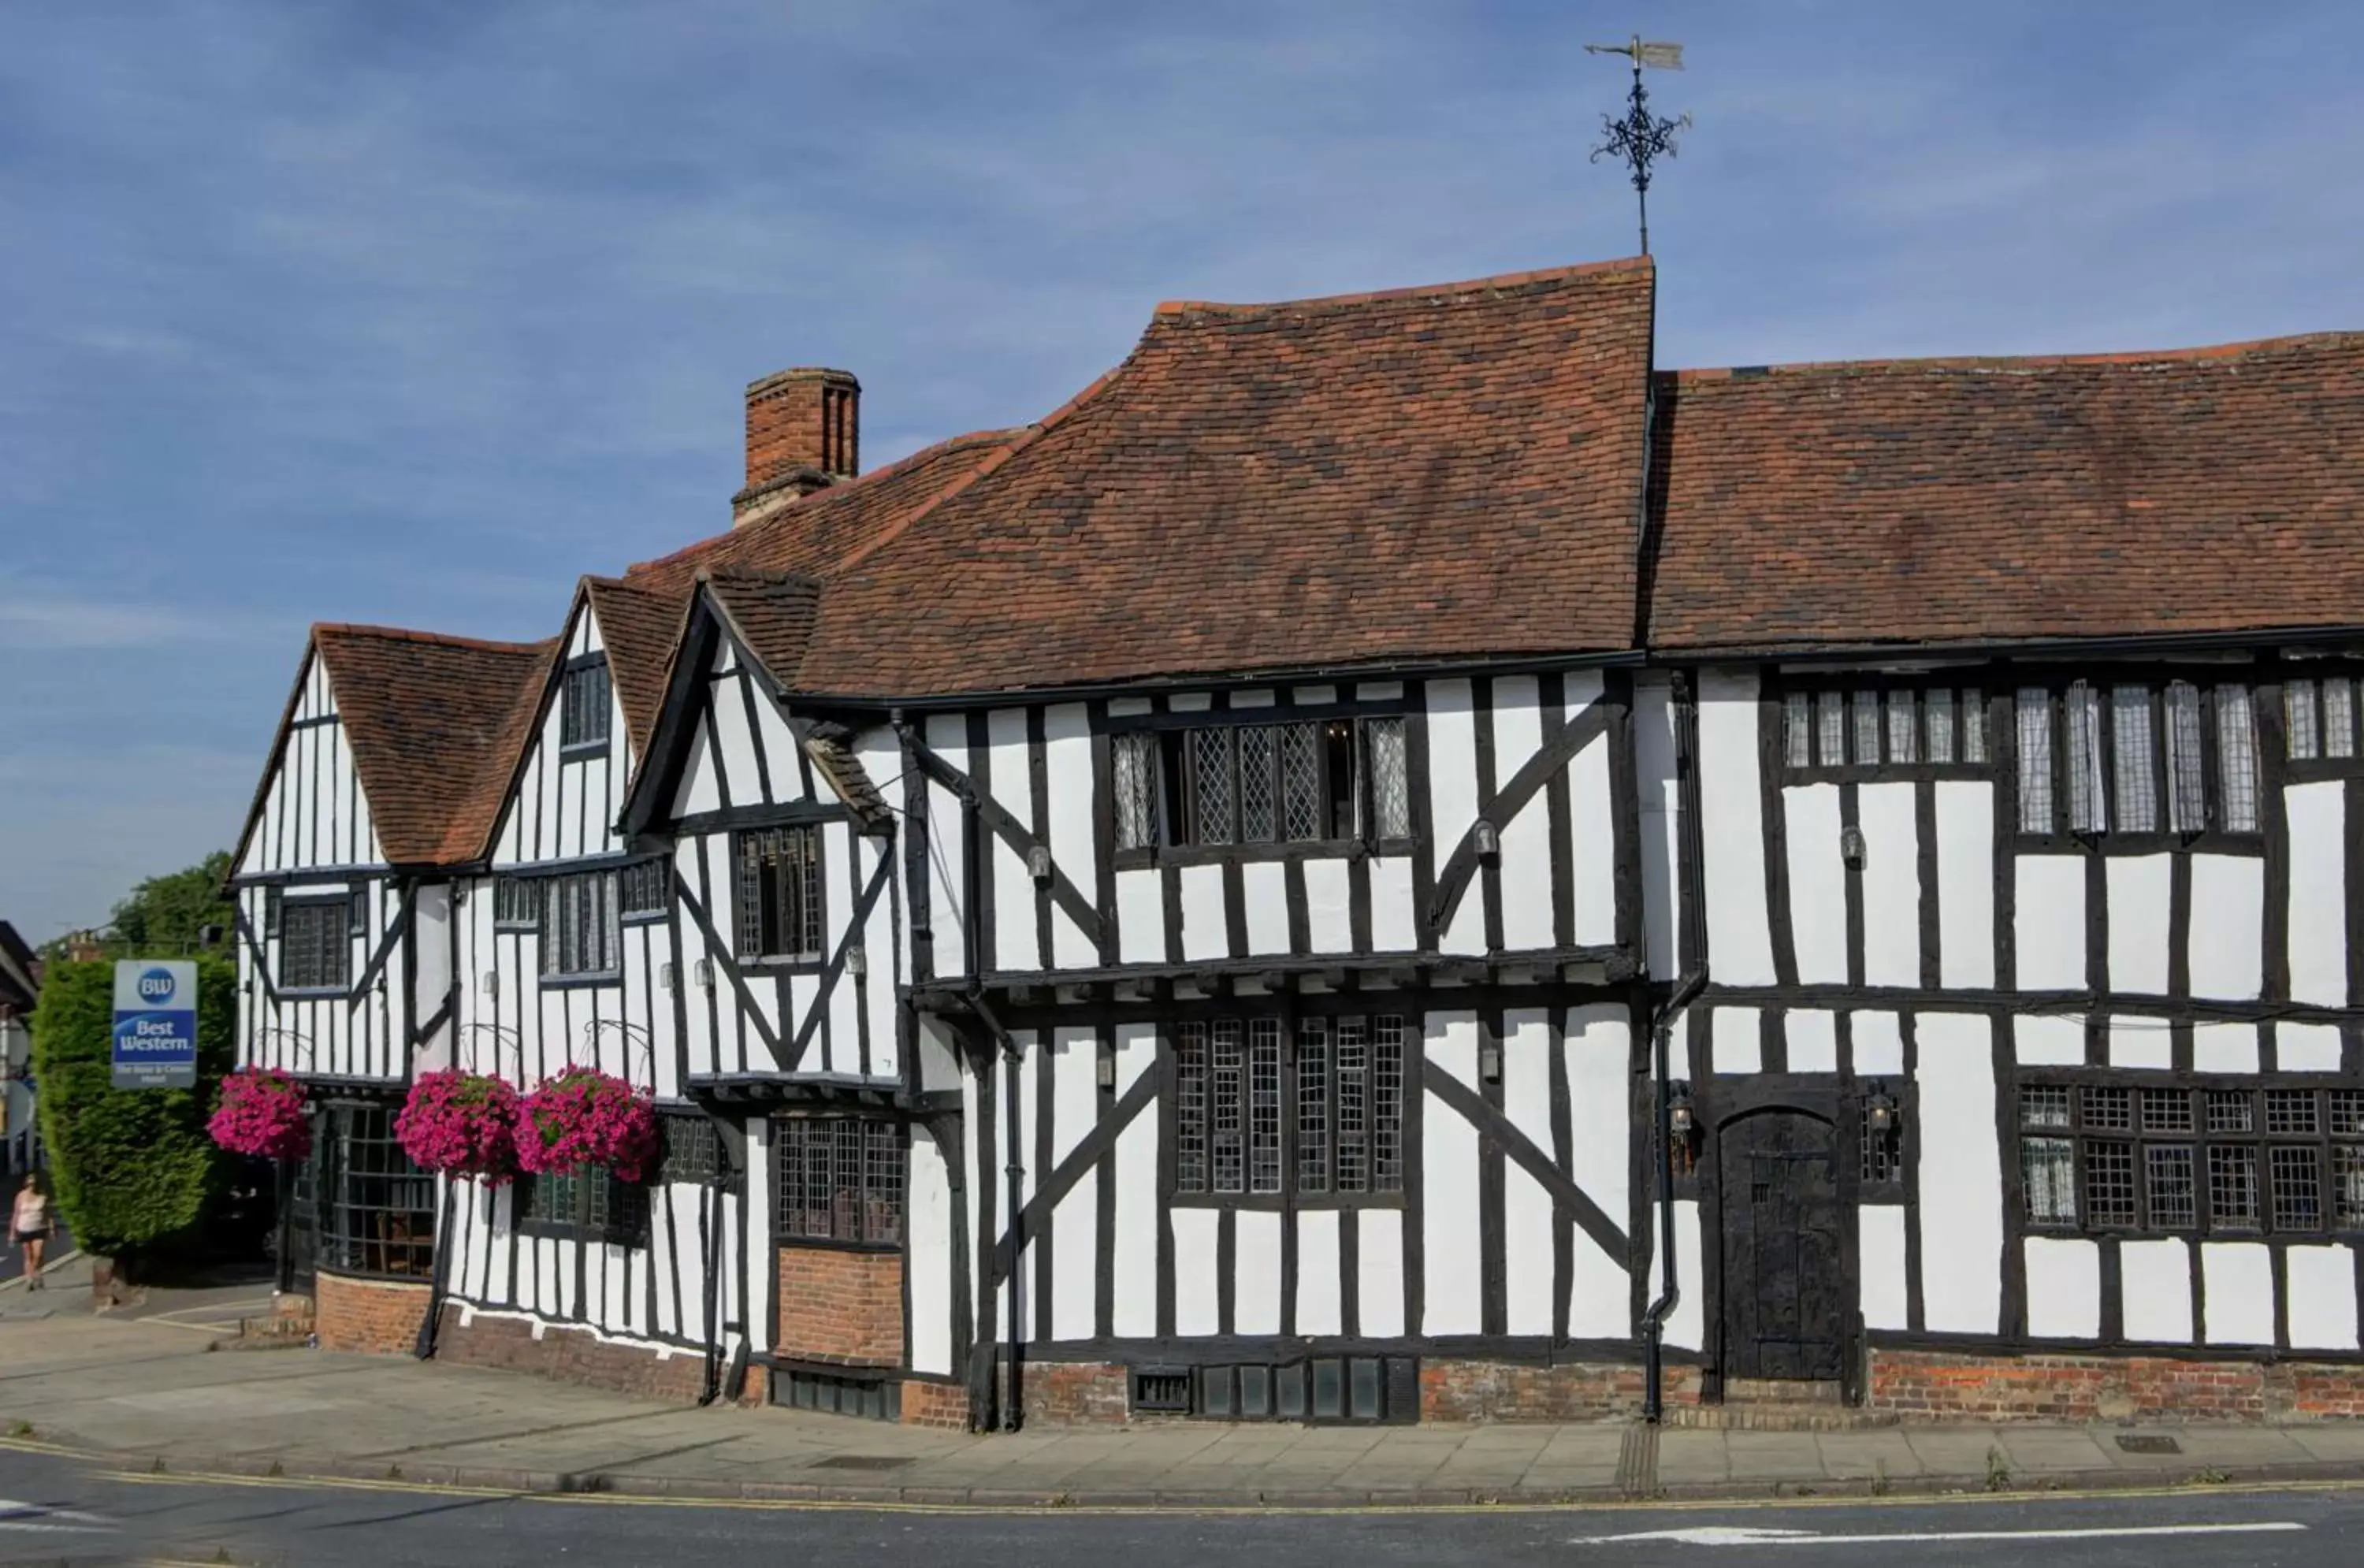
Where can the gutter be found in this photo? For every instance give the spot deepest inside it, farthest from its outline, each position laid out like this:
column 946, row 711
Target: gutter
column 1691, row 940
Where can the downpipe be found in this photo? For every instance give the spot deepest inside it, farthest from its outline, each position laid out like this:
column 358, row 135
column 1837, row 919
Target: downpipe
column 1690, row 846
column 1014, row 1171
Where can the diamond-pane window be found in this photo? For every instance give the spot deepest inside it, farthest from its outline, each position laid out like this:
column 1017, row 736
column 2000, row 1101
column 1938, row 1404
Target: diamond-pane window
column 1300, row 784
column 1210, row 781
column 1390, row 792
column 1258, row 779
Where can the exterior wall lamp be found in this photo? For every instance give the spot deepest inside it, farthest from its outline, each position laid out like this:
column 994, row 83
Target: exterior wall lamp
column 1851, row 846
column 857, row 963
column 1880, row 1109
column 1680, row 1119
column 1486, row 839
column 1038, row 864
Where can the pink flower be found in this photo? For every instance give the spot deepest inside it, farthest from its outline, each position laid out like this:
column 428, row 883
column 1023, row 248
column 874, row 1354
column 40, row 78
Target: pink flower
column 460, row 1123
column 261, row 1113
column 585, row 1117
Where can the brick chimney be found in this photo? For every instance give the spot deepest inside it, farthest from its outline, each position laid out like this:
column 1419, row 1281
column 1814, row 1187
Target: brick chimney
column 804, row 431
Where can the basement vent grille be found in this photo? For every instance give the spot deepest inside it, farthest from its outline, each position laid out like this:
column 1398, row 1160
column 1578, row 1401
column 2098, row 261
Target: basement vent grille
column 1161, row 1389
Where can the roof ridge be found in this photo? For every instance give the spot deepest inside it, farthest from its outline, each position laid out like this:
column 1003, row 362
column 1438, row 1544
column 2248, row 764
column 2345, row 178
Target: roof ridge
column 2198, row 354
column 1496, row 283
column 844, row 487
column 446, row 639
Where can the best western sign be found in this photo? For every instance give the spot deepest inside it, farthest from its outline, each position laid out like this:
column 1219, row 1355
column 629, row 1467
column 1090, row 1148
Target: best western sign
column 155, row 1024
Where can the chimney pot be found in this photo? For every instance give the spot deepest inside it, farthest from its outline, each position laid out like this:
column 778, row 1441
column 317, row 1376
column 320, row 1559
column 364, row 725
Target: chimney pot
column 804, row 431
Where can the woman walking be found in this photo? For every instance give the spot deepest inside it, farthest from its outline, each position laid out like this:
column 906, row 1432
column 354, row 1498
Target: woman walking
column 30, row 1225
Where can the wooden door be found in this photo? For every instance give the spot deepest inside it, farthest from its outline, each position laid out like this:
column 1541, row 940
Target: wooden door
column 1784, row 1248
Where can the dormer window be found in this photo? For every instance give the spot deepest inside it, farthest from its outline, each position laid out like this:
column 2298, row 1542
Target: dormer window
column 583, row 703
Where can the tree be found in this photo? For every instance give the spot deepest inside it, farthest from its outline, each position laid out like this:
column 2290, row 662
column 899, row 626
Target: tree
column 167, row 915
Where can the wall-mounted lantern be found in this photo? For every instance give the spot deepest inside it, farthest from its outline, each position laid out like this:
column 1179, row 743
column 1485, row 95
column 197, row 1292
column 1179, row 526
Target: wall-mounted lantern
column 491, row 983
column 1680, row 1119
column 702, row 972
column 1851, row 846
column 1487, row 839
column 1880, row 1110
column 1489, row 1063
column 857, row 963
column 1038, row 864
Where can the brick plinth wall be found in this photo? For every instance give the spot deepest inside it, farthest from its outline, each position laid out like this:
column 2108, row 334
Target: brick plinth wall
column 1456, row 1391
column 942, row 1405
column 841, row 1307
column 569, row 1355
column 1944, row 1386
column 1069, row 1392
column 375, row 1317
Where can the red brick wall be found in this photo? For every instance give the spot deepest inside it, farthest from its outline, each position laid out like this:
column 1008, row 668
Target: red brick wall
column 943, row 1405
column 842, row 1307
column 377, row 1316
column 1066, row 1393
column 569, row 1355
column 1506, row 1391
column 802, row 418
column 1941, row 1387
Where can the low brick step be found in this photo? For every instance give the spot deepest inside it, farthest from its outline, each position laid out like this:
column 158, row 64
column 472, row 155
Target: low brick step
column 1783, row 1391
column 1771, row 1415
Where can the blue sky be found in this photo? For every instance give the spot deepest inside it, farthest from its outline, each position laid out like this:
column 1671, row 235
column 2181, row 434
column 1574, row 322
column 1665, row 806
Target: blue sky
column 411, row 313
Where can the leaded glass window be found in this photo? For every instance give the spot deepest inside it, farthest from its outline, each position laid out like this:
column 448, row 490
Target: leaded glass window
column 1133, row 764
column 2035, row 813
column 2237, row 756
column 2134, row 756
column 780, row 894
column 1263, row 1105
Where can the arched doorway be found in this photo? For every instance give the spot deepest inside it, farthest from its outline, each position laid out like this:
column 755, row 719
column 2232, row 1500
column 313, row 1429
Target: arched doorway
column 1784, row 1248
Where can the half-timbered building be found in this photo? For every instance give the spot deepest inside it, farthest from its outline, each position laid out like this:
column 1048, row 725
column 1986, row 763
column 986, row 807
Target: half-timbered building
column 1391, row 861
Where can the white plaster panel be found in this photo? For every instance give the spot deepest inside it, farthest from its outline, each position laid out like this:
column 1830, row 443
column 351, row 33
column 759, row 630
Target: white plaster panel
column 760, row 1278
column 1817, row 883
column 929, row 1226
column 738, row 741
column 2237, row 1291
column 782, row 756
column 2064, row 1288
column 2141, row 1042
column 1526, row 868
column 1597, row 1043
column 2306, row 1048
column 1067, row 770
column 1137, row 1208
column 1527, row 1210
column 696, row 791
column 2229, row 926
column 1739, row 936
column 2138, row 934
column 1203, row 932
column 2048, row 922
column 1654, row 766
column 2047, row 1040
column 1880, row 1249
column 1892, row 885
column 2155, row 1279
column 1265, row 885
column 1261, row 696
column 1961, row 1175
column 1015, row 943
column 2224, row 1048
column 1256, row 1277
column 1140, row 915
column 1378, row 691
column 1074, row 1061
column 1455, row 1265
column 1813, row 1040
column 1197, row 1308
column 1329, row 915
column 2318, row 892
column 1876, row 1044
column 1379, row 1277
column 1320, row 1303
column 2322, row 1282
column 1453, row 800
column 1394, row 928
column 947, row 851
column 1313, row 696
column 1190, row 701
column 1739, row 1042
column 1592, row 841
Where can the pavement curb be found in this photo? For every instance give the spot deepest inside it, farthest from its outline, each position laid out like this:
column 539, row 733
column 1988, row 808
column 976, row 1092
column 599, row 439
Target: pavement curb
column 1220, row 1499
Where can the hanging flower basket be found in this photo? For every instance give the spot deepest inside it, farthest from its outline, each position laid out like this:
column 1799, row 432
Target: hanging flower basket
column 585, row 1117
column 461, row 1124
column 262, row 1115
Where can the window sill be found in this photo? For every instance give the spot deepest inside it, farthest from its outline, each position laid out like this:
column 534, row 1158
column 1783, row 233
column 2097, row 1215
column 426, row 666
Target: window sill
column 1282, row 1200
column 313, row 992
column 771, row 963
column 584, row 750
column 2214, row 841
column 561, row 1230
column 643, row 916
column 831, row 1244
column 581, row 981
column 1257, row 854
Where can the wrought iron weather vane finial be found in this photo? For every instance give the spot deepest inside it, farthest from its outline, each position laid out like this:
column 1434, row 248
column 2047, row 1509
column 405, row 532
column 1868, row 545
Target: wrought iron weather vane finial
column 1640, row 138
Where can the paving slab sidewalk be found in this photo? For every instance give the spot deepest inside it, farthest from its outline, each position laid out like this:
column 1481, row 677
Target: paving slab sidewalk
column 139, row 1393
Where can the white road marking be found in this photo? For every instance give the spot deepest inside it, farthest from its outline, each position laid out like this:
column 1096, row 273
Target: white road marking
column 1749, row 1535
column 33, row 1516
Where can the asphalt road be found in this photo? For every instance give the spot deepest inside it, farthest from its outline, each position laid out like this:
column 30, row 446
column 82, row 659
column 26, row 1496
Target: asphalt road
column 57, row 1511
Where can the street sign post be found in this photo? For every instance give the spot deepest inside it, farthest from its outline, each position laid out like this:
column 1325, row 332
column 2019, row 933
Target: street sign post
column 155, row 1024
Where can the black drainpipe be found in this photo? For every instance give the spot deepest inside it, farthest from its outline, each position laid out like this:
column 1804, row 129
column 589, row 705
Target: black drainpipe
column 1014, row 1404
column 1691, row 943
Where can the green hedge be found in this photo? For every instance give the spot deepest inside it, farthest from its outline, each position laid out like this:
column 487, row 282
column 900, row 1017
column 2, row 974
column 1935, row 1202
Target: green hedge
column 131, row 1168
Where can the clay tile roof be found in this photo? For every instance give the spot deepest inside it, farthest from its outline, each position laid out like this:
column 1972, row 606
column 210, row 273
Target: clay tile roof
column 433, row 723
column 773, row 613
column 639, row 627
column 1444, row 471
column 1987, row 500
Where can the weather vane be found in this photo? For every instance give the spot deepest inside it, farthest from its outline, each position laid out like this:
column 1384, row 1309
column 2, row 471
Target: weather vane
column 1641, row 138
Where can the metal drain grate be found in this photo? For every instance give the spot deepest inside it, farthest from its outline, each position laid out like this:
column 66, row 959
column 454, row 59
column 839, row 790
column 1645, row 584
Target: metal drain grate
column 860, row 1462
column 2147, row 1442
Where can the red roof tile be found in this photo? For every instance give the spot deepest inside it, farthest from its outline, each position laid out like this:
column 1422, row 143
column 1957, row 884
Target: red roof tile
column 1979, row 500
column 1447, row 471
column 639, row 627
